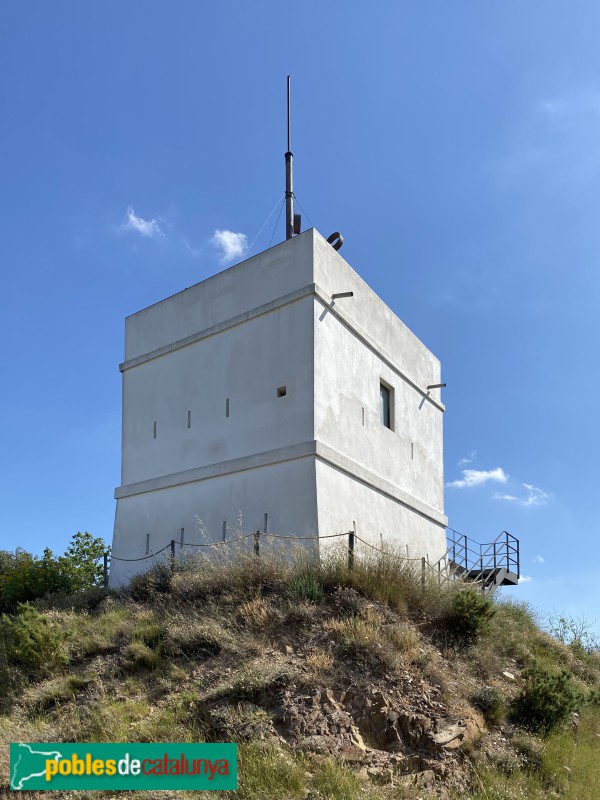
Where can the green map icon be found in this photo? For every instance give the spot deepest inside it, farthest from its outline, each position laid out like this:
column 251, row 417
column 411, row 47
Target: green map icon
column 28, row 763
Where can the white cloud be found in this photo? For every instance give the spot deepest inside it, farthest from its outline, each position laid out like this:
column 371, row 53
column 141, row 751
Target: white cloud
column 525, row 579
column 232, row 245
column 468, row 459
column 145, row 227
column 534, row 496
column 538, row 559
column 477, row 477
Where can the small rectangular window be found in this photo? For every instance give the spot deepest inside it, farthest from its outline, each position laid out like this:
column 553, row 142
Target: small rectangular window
column 189, row 419
column 386, row 395
column 281, row 391
column 155, row 429
column 147, row 544
column 227, row 407
column 181, row 539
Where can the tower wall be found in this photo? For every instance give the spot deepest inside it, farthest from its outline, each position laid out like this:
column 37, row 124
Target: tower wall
column 283, row 489
column 252, row 393
column 390, row 479
column 216, row 399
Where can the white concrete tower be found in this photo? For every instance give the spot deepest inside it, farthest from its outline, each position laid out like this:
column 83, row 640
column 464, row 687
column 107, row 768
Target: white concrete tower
column 258, row 392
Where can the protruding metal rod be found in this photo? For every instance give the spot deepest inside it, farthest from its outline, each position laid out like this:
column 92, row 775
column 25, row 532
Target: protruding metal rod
column 289, row 184
column 289, row 106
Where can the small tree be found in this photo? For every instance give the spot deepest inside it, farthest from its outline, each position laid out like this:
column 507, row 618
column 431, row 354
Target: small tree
column 83, row 560
column 470, row 616
column 26, row 577
column 546, row 700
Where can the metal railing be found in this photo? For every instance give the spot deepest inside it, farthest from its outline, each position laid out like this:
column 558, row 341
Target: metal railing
column 464, row 557
column 482, row 561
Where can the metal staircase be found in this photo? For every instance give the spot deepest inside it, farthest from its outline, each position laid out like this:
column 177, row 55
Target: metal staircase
column 488, row 565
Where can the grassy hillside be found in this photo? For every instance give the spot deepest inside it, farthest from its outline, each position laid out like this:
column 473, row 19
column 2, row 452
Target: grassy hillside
column 336, row 683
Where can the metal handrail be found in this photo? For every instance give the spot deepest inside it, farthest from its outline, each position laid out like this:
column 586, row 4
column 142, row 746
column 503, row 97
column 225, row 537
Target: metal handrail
column 502, row 553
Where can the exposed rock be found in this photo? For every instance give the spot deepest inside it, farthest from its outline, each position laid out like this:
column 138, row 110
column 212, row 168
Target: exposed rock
column 419, row 780
column 450, row 736
column 380, row 775
column 575, row 721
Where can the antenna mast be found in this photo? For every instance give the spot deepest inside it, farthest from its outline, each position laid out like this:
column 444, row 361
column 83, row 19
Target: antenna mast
column 289, row 188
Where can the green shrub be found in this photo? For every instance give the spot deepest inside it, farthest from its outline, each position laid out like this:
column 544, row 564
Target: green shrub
column 491, row 703
column 84, row 600
column 546, row 700
column 307, row 586
column 25, row 577
column 593, row 698
column 32, row 642
column 470, row 616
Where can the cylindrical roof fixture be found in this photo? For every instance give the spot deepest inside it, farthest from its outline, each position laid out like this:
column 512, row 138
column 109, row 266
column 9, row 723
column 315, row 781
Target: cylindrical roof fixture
column 437, row 386
column 336, row 240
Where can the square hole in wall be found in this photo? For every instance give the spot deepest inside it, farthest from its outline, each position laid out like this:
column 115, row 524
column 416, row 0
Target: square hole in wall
column 281, row 391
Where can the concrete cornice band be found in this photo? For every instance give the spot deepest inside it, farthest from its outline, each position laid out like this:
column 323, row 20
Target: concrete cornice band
column 291, row 453
column 273, row 305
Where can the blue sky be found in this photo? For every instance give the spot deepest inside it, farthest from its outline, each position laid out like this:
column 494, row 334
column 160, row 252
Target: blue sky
column 455, row 145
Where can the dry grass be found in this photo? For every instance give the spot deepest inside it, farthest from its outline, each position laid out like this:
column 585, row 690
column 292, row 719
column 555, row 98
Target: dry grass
column 143, row 665
column 319, row 661
column 196, row 637
column 353, row 633
column 257, row 613
column 405, row 639
column 138, row 656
